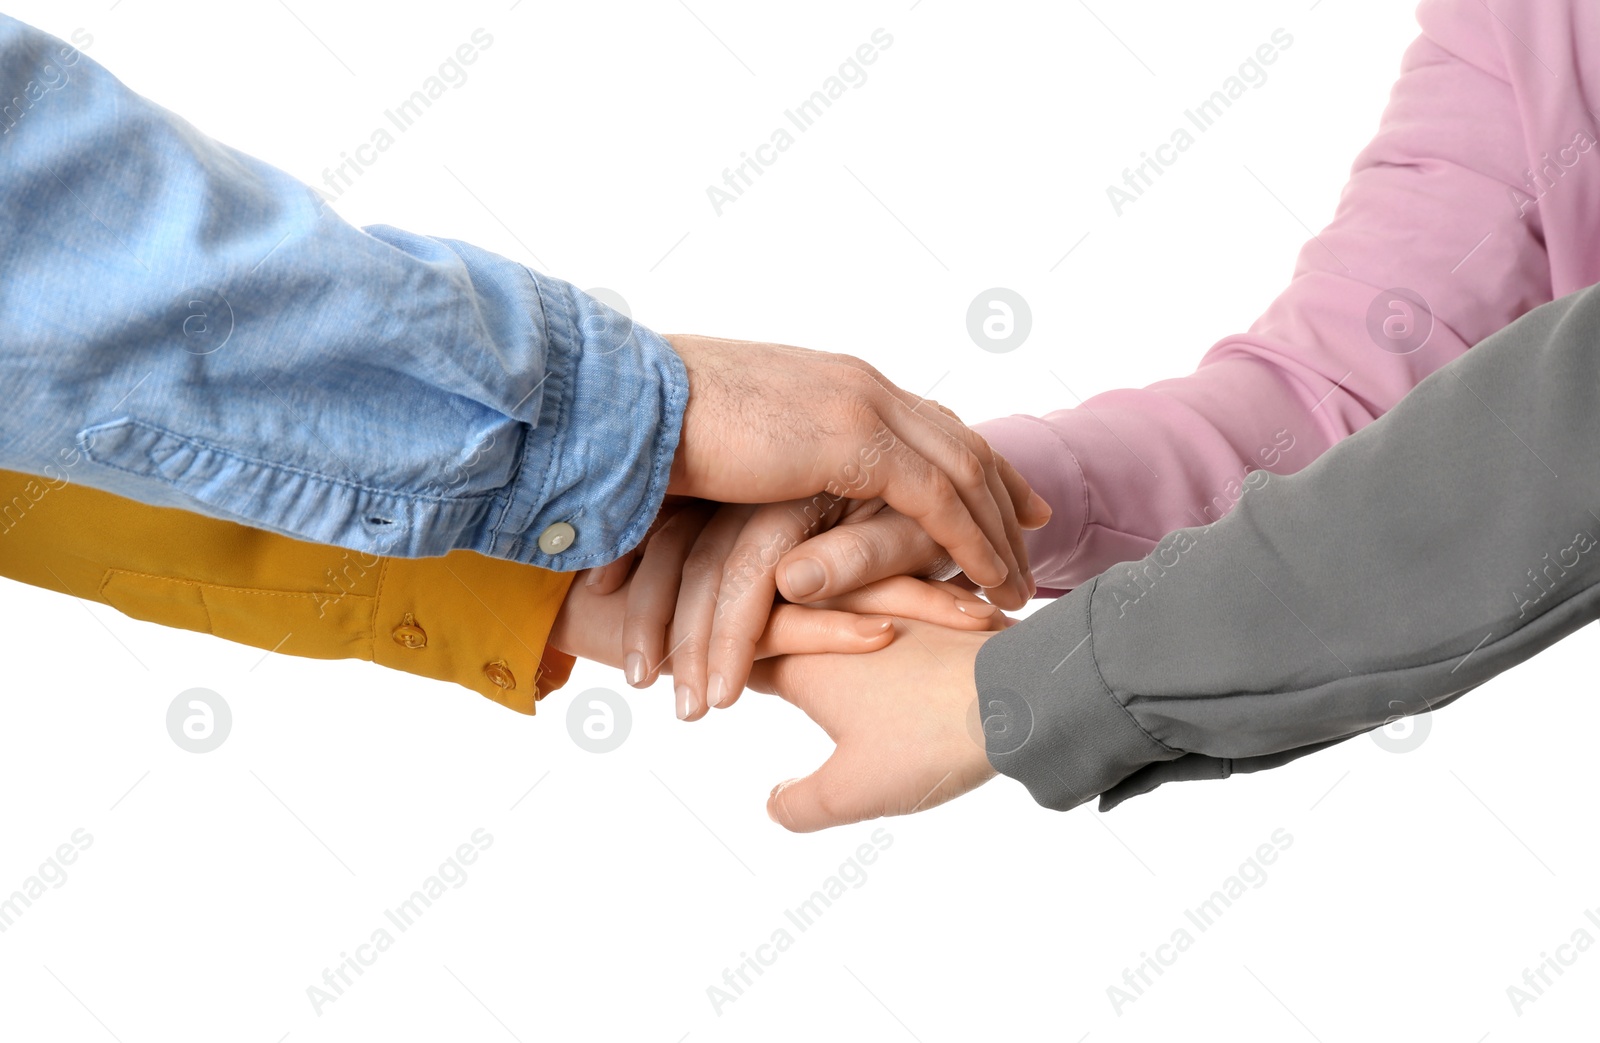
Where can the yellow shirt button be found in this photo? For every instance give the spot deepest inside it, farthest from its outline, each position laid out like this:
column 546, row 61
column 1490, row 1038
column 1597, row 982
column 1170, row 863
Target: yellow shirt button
column 557, row 538
column 500, row 675
column 408, row 634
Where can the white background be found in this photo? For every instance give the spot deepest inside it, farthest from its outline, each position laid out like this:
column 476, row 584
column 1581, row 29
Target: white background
column 219, row 886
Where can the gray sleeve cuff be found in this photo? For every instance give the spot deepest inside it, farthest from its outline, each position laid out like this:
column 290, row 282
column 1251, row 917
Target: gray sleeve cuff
column 1060, row 732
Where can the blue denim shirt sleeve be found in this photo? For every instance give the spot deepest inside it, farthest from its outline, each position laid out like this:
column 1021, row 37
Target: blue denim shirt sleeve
column 184, row 325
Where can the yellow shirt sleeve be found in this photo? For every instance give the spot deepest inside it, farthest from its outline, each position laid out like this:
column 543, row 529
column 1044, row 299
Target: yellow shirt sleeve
column 478, row 621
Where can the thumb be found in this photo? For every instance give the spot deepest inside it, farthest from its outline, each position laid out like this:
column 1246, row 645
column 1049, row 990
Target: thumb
column 848, row 557
column 820, row 800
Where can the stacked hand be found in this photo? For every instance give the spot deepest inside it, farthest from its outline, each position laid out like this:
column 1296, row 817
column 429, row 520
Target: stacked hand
column 833, row 527
column 704, row 584
column 768, row 423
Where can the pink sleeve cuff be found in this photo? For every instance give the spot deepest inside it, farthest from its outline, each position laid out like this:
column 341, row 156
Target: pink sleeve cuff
column 1048, row 464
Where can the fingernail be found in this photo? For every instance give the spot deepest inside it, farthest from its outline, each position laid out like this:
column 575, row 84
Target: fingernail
column 1038, row 505
column 804, row 577
column 976, row 609
column 873, row 626
column 773, row 795
column 684, row 697
column 591, row 578
column 633, row 668
column 716, row 691
column 1000, row 568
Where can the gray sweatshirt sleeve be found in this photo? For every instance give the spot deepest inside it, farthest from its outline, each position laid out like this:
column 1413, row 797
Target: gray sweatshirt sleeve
column 1449, row 540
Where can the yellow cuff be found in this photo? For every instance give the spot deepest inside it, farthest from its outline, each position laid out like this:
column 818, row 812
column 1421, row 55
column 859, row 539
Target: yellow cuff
column 480, row 622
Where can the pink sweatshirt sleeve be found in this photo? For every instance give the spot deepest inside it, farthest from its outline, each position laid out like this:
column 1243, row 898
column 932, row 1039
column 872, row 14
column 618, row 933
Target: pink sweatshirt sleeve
column 1480, row 193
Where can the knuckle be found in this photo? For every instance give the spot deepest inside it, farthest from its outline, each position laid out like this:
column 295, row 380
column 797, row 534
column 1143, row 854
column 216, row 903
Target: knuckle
column 873, row 373
column 727, row 604
column 744, row 563
column 967, row 468
column 860, row 365
column 732, row 648
column 915, row 471
column 855, row 552
column 827, row 802
column 642, row 623
column 701, row 561
column 863, row 387
column 947, row 501
column 983, row 450
column 688, row 644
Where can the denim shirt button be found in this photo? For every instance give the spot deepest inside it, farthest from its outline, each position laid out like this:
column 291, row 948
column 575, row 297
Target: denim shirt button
column 557, row 538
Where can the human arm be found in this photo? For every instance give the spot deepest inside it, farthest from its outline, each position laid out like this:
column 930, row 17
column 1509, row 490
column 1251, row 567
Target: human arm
column 594, row 625
column 187, row 326
column 474, row 621
column 1416, row 559
column 505, row 630
column 701, row 596
column 1441, row 202
column 1439, row 546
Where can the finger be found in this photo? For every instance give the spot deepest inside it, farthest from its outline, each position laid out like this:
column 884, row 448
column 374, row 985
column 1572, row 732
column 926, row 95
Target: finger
column 1018, row 587
column 976, row 488
column 939, row 481
column 696, row 610
column 801, row 629
column 608, row 579
column 949, row 495
column 848, row 557
column 829, row 796
column 921, row 469
column 1002, row 480
column 945, row 604
column 1007, row 539
column 839, row 795
column 654, row 592
column 1033, row 510
column 860, row 510
column 744, row 598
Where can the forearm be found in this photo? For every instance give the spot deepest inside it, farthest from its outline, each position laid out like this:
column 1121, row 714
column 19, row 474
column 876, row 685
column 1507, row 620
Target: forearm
column 472, row 620
column 185, row 325
column 1443, row 544
column 589, row 625
column 1428, row 208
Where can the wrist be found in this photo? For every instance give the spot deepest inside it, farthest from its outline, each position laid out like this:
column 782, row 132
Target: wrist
column 980, row 715
column 677, row 470
column 589, row 625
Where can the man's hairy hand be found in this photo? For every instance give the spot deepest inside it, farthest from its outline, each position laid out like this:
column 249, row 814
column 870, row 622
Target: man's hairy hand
column 768, row 423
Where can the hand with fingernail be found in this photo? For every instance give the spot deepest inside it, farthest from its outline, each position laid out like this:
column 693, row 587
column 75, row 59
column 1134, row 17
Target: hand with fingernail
column 905, row 721
column 874, row 541
column 766, row 423
column 592, row 624
column 702, row 595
